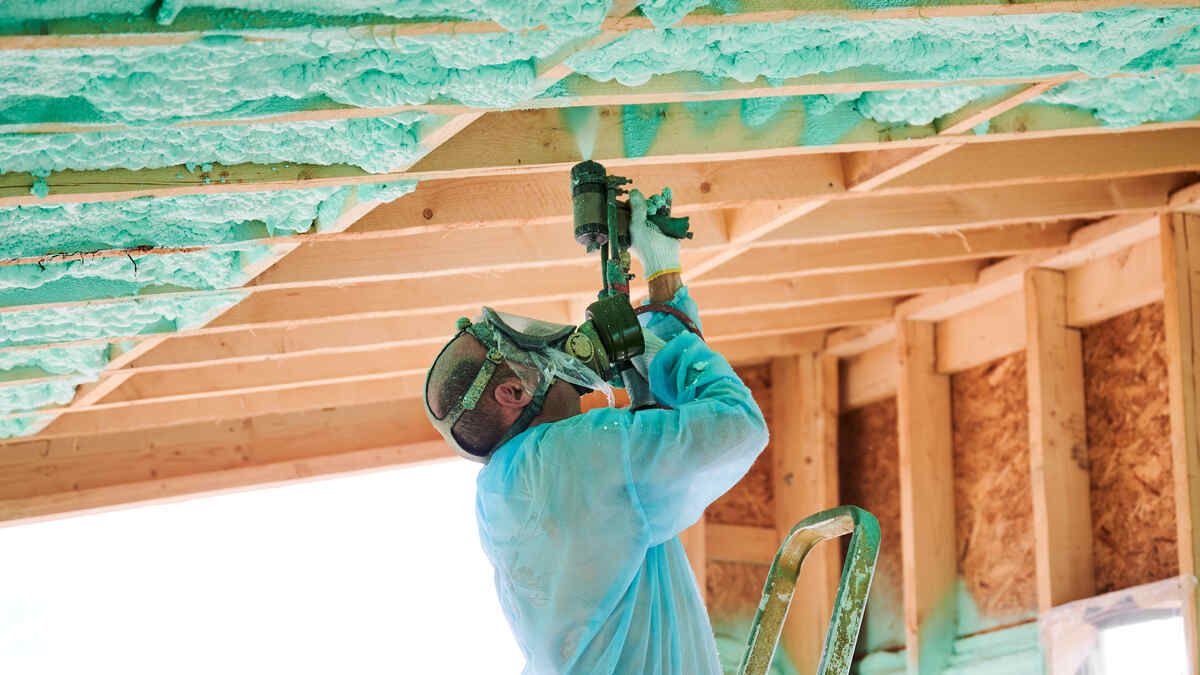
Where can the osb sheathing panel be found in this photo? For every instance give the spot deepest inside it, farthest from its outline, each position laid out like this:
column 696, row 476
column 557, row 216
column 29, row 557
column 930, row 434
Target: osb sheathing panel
column 1129, row 450
column 752, row 500
column 734, row 589
column 869, row 476
column 993, row 505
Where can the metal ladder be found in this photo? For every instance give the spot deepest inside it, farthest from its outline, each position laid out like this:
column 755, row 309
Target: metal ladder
column 852, row 593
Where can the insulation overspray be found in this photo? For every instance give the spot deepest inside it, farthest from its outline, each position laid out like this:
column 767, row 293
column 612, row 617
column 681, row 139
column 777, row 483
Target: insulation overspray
column 133, row 317
column 231, row 77
column 1097, row 43
column 95, row 278
column 82, row 322
column 187, row 220
column 1130, row 101
column 377, row 145
column 527, row 14
column 86, row 359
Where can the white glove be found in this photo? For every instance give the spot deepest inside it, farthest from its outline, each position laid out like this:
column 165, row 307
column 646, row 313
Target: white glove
column 641, row 363
column 658, row 252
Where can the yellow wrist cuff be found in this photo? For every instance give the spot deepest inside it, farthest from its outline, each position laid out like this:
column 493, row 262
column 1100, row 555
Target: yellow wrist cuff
column 673, row 270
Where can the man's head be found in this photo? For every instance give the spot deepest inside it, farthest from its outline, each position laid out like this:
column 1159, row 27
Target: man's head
column 479, row 430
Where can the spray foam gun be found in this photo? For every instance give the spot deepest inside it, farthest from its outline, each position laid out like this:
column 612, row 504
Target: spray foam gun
column 611, row 336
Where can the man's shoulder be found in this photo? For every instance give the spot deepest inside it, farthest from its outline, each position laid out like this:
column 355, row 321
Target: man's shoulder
column 537, row 450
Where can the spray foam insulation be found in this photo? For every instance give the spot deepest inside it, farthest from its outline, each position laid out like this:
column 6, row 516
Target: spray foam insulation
column 752, row 500
column 993, row 505
column 1129, row 450
column 869, row 477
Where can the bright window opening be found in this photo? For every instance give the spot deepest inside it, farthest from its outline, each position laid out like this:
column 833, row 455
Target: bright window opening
column 371, row 573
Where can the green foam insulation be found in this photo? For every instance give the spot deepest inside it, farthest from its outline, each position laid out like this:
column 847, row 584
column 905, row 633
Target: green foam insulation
column 376, row 145
column 1129, row 101
column 1097, row 43
column 512, row 15
column 90, row 279
column 909, row 113
column 972, row 620
column 84, row 322
column 1001, row 652
column 87, row 359
column 133, row 317
column 230, row 76
column 188, row 220
column 65, row 233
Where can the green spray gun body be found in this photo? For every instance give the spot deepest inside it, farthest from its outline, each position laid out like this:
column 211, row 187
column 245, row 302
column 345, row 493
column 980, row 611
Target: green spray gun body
column 611, row 336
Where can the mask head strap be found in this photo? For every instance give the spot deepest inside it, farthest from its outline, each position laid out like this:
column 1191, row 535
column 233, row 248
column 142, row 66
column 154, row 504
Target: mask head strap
column 470, row 399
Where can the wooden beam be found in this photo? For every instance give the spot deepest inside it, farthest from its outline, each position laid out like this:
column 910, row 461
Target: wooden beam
column 1112, row 285
column 797, row 319
column 513, row 149
column 315, row 265
column 292, row 321
column 875, row 252
column 471, row 255
column 1062, row 517
column 981, row 334
column 976, row 207
column 154, row 396
column 41, row 477
column 224, row 404
column 1181, row 280
column 804, row 435
column 821, row 288
column 742, row 543
column 438, row 206
column 869, row 376
column 926, row 500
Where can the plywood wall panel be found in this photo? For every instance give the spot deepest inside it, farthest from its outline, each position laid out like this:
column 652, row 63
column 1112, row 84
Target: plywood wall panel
column 992, row 494
column 1129, row 449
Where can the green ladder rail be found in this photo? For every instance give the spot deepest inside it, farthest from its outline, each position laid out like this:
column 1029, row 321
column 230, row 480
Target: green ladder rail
column 852, row 593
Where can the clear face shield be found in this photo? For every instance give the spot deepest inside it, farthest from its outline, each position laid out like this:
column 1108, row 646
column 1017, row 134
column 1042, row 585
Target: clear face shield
column 534, row 351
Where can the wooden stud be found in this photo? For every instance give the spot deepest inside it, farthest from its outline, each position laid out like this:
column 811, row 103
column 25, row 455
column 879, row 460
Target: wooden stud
column 930, row 561
column 1181, row 282
column 804, row 435
column 1062, row 518
column 742, row 543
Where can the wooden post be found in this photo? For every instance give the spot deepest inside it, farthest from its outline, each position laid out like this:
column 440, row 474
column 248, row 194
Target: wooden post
column 804, row 437
column 930, row 561
column 1181, row 291
column 1062, row 518
column 695, row 543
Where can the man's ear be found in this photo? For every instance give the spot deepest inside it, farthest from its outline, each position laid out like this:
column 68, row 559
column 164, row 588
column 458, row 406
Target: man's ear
column 511, row 394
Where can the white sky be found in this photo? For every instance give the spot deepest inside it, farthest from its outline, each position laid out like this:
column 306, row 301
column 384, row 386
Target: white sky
column 372, row 573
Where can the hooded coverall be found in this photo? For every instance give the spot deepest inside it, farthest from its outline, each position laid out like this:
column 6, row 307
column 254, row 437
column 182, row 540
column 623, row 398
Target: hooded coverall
column 581, row 517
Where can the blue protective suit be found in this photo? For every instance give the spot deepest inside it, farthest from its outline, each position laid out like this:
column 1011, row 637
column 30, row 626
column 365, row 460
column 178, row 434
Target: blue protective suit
column 581, row 518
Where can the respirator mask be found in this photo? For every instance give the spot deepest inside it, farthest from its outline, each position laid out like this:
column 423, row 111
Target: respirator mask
column 587, row 357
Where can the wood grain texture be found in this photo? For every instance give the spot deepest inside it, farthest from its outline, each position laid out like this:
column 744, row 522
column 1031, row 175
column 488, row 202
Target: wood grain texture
column 1129, row 450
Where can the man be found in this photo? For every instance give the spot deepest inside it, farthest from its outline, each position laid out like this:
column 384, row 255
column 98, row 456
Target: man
column 580, row 513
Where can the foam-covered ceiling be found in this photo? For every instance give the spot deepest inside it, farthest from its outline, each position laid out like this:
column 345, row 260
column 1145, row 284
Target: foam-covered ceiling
column 155, row 106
